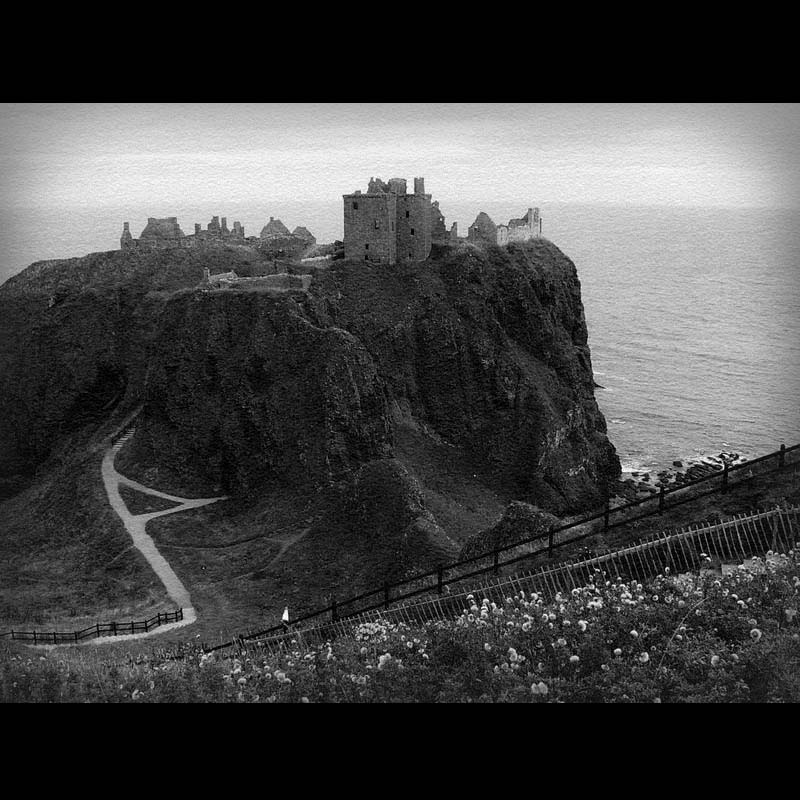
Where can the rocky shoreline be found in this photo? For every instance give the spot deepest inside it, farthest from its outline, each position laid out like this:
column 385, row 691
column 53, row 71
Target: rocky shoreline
column 636, row 485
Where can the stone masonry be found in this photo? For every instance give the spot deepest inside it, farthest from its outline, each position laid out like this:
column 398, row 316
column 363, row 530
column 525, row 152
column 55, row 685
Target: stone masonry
column 165, row 232
column 387, row 224
column 517, row 230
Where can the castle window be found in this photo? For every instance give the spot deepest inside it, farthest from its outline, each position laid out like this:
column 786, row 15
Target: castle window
column 366, row 246
column 355, row 206
column 412, row 231
column 408, row 214
column 392, row 225
column 377, row 224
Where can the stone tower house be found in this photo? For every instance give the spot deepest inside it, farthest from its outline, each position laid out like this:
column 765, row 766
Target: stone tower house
column 387, row 224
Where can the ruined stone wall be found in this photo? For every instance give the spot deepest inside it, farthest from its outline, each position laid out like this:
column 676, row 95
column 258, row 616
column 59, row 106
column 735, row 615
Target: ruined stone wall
column 529, row 230
column 369, row 227
column 482, row 230
column 439, row 234
column 413, row 227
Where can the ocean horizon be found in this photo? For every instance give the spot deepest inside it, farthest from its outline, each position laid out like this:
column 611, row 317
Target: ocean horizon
column 691, row 312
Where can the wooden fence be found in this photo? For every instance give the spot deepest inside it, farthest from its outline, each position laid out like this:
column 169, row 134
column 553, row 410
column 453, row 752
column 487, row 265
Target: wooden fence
column 719, row 481
column 98, row 629
column 731, row 540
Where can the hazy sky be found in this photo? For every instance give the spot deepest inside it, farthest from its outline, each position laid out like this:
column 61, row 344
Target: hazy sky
column 181, row 154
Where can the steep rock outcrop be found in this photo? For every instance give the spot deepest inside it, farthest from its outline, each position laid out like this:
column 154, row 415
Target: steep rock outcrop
column 488, row 349
column 485, row 348
column 520, row 521
column 245, row 386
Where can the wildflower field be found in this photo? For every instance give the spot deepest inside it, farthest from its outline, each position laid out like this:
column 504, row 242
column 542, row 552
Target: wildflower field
column 687, row 639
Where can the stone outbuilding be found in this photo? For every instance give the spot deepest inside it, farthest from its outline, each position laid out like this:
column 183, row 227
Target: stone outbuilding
column 274, row 228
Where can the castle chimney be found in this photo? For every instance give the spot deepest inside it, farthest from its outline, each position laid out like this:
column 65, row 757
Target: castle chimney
column 197, row 229
column 419, row 185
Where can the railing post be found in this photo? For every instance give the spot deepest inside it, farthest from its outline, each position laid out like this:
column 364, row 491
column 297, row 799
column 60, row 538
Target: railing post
column 496, row 560
column 97, row 627
column 76, row 636
column 114, row 627
column 34, row 637
column 386, row 594
column 440, row 579
column 782, row 456
column 661, row 501
column 725, row 478
column 131, row 626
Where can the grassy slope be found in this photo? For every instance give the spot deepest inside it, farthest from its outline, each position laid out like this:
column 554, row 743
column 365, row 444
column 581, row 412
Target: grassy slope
column 733, row 639
column 65, row 558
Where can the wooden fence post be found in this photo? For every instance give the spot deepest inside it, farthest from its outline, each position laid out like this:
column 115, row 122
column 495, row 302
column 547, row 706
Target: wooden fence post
column 496, row 561
column 386, row 594
column 661, row 501
column 725, row 478
column 334, row 613
column 782, row 456
column 440, row 579
column 606, row 514
column 550, row 544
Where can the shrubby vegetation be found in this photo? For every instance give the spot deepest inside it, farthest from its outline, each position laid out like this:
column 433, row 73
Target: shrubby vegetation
column 681, row 639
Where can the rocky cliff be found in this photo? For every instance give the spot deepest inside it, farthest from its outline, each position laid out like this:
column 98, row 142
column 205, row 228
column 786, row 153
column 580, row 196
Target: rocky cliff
column 483, row 349
column 376, row 422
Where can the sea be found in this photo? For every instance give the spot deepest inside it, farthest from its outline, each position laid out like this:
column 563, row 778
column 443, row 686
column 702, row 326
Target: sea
column 692, row 312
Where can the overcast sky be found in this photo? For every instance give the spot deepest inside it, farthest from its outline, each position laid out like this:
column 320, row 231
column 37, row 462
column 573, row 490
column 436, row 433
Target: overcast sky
column 177, row 155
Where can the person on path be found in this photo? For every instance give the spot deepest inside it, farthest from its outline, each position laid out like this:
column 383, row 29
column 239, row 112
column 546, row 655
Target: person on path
column 285, row 618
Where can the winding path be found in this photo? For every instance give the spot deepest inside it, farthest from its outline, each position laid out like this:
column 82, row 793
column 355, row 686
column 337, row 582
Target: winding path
column 135, row 525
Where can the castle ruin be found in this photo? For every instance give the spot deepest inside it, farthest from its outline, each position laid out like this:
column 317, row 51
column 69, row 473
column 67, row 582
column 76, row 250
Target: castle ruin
column 165, row 233
column 280, row 283
column 483, row 230
column 387, row 224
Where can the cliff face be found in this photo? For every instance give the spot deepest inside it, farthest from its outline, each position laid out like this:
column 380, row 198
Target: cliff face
column 249, row 388
column 486, row 350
